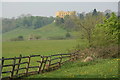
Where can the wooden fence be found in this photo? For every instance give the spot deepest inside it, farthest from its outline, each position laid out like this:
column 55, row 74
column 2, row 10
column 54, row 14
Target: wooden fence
column 45, row 64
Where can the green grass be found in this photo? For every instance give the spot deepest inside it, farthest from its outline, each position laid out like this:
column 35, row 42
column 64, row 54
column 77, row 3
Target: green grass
column 45, row 32
column 16, row 32
column 50, row 30
column 42, row 47
column 36, row 47
column 106, row 68
column 97, row 69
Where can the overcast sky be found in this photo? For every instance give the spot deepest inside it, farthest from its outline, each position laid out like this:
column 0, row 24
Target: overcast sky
column 14, row 9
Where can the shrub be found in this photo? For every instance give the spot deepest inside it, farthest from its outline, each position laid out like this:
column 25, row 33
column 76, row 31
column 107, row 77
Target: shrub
column 19, row 38
column 68, row 35
column 37, row 37
column 101, row 52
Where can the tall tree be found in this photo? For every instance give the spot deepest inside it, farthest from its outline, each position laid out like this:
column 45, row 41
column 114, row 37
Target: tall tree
column 88, row 24
column 69, row 23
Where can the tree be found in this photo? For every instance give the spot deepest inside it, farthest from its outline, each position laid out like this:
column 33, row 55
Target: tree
column 68, row 35
column 69, row 23
column 20, row 38
column 26, row 21
column 8, row 24
column 107, row 15
column 59, row 20
column 94, row 13
column 81, row 15
column 88, row 24
column 107, row 33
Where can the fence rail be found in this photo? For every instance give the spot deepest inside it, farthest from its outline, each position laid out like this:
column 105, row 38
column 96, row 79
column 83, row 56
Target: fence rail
column 45, row 63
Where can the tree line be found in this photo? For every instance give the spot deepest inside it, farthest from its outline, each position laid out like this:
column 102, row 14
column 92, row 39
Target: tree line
column 27, row 21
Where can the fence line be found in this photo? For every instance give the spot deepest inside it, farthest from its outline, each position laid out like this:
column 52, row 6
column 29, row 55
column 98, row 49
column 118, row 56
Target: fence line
column 45, row 64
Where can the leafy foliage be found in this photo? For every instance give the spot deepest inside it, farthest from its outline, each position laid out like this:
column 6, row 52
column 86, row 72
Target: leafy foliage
column 68, row 35
column 69, row 23
column 19, row 38
column 106, row 33
column 8, row 24
column 59, row 20
column 87, row 25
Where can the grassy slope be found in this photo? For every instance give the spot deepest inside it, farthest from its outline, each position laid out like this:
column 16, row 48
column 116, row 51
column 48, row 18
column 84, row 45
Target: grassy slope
column 45, row 32
column 50, row 30
column 97, row 69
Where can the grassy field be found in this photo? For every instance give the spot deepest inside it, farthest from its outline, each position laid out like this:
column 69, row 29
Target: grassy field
column 42, row 47
column 36, row 47
column 105, row 68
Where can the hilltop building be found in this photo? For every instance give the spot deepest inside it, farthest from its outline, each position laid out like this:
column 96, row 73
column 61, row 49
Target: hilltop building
column 62, row 14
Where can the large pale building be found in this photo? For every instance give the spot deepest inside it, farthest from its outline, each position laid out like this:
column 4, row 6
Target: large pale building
column 62, row 14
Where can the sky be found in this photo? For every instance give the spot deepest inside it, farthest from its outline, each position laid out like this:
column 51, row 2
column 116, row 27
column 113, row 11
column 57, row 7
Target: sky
column 59, row 0
column 15, row 9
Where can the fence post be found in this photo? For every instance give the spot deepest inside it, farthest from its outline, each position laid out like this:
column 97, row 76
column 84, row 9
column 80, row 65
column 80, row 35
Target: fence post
column 49, row 63
column 60, row 60
column 1, row 67
column 27, row 67
column 2, row 63
column 19, row 64
column 13, row 67
column 40, row 65
column 72, row 57
column 45, row 62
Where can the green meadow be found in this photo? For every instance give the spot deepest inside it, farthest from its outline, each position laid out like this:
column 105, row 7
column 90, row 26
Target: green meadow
column 99, row 68
column 36, row 47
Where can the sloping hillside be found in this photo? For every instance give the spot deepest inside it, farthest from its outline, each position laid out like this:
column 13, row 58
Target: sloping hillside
column 48, row 31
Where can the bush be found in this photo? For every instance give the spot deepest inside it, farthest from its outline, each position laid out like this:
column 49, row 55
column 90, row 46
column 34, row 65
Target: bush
column 19, row 38
column 37, row 37
column 68, row 35
column 101, row 52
